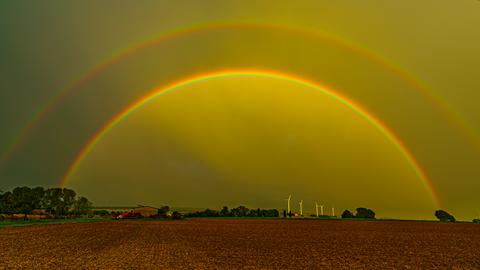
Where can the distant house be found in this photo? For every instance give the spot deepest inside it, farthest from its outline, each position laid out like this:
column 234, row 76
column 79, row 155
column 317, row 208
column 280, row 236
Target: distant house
column 146, row 211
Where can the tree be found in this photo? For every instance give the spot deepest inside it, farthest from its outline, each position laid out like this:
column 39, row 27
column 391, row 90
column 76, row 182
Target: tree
column 347, row 214
column 254, row 213
column 210, row 213
column 224, row 212
column 177, row 215
column 364, row 213
column 59, row 201
column 52, row 200
column 22, row 198
column 273, row 213
column 164, row 210
column 81, row 206
column 7, row 203
column 444, row 216
column 68, row 199
column 37, row 197
column 240, row 211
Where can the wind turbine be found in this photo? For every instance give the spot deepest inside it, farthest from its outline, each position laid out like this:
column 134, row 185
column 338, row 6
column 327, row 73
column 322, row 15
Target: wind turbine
column 333, row 211
column 321, row 209
column 288, row 204
column 316, row 208
column 301, row 208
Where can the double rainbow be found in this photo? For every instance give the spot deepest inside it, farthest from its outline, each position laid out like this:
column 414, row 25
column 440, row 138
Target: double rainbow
column 453, row 117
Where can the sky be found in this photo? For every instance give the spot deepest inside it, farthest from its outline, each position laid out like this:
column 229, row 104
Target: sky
column 209, row 103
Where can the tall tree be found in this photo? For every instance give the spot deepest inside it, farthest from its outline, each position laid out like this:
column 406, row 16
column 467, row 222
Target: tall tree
column 37, row 197
column 22, row 197
column 81, row 206
column 68, row 199
column 444, row 216
column 7, row 203
column 224, row 212
column 52, row 200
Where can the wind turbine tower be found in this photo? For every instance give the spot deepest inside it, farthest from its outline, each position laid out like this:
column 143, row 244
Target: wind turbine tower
column 321, row 209
column 301, row 207
column 316, row 208
column 333, row 211
column 288, row 204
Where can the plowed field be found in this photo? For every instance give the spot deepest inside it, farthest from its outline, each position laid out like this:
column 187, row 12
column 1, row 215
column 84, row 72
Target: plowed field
column 242, row 243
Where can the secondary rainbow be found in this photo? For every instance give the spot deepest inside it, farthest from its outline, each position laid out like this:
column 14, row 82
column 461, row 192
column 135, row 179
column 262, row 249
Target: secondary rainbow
column 102, row 132
column 119, row 55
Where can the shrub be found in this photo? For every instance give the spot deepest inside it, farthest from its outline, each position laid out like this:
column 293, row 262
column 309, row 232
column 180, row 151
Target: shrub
column 177, row 215
column 101, row 212
column 476, row 221
column 347, row 214
column 365, row 213
column 163, row 210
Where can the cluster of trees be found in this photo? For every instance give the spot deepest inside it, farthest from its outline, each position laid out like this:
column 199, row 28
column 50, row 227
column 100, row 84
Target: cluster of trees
column 240, row 211
column 163, row 210
column 444, row 216
column 361, row 213
column 56, row 201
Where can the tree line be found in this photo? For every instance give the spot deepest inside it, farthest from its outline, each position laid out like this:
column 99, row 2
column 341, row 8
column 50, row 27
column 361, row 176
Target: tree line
column 55, row 201
column 360, row 213
column 240, row 211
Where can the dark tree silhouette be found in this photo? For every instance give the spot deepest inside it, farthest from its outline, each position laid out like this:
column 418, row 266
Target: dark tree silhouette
column 444, row 216
column 347, row 214
column 58, row 201
column 177, row 215
column 81, row 206
column 163, row 210
column 7, row 203
column 364, row 213
column 224, row 212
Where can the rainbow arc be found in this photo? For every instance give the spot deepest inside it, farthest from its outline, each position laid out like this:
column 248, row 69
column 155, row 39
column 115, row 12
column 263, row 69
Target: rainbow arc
column 156, row 93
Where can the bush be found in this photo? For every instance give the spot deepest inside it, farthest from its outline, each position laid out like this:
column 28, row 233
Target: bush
column 101, row 212
column 361, row 213
column 476, row 221
column 365, row 213
column 177, row 215
column 163, row 210
column 444, row 216
column 347, row 214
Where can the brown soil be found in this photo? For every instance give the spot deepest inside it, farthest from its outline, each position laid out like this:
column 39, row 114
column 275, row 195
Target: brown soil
column 242, row 243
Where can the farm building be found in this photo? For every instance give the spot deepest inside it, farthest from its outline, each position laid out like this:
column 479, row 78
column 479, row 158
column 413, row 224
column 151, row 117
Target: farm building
column 146, row 211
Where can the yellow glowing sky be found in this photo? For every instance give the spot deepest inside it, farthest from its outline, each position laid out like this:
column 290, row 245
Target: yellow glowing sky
column 251, row 140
